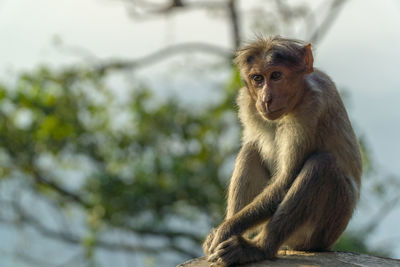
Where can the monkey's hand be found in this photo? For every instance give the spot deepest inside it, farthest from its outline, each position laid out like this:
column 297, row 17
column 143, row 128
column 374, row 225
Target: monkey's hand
column 236, row 250
column 207, row 243
column 218, row 236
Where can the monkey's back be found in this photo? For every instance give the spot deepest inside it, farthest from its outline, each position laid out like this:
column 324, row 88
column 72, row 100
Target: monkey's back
column 334, row 130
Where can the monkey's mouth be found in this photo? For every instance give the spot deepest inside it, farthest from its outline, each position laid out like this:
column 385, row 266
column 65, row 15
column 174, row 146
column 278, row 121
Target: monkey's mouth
column 274, row 111
column 272, row 114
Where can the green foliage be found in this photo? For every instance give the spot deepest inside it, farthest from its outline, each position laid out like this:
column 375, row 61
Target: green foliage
column 159, row 160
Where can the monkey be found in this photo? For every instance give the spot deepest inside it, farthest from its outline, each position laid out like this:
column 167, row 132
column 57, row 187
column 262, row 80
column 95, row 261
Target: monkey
column 297, row 176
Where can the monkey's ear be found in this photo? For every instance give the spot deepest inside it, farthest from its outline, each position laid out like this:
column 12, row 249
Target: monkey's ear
column 309, row 59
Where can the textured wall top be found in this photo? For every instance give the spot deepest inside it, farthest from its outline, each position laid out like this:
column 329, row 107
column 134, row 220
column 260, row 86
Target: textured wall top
column 311, row 259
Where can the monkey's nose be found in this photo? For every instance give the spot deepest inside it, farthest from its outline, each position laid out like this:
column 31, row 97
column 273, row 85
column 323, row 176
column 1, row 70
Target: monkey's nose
column 268, row 106
column 267, row 99
column 268, row 103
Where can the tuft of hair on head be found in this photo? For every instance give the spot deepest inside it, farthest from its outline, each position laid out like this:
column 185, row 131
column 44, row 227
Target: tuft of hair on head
column 275, row 50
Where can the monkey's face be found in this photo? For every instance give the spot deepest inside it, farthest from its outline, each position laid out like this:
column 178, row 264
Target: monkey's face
column 274, row 74
column 276, row 90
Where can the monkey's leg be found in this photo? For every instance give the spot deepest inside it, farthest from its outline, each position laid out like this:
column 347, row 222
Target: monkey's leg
column 320, row 194
column 249, row 178
column 315, row 210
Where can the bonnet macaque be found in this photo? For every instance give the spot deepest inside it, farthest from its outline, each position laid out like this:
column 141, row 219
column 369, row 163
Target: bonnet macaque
column 298, row 173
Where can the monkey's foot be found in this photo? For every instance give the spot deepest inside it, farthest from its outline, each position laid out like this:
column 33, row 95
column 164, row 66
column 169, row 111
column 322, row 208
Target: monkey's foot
column 236, row 250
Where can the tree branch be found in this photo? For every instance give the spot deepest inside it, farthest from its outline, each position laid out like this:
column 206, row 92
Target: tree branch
column 234, row 17
column 172, row 234
column 141, row 9
column 165, row 53
column 334, row 10
column 383, row 212
column 62, row 191
column 70, row 238
column 28, row 220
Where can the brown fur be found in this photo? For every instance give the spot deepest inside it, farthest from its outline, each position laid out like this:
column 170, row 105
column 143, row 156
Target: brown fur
column 298, row 173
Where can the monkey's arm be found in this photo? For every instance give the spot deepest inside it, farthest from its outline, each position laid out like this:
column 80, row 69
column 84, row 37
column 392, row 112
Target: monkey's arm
column 248, row 180
column 260, row 209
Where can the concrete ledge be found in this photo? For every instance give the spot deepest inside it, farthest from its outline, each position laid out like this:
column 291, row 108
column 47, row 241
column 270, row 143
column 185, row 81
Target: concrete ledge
column 312, row 259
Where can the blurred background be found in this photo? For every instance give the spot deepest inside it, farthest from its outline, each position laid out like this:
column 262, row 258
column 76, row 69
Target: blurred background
column 118, row 127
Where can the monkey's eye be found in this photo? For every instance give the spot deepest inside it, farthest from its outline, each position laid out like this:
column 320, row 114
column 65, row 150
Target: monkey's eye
column 276, row 75
column 258, row 78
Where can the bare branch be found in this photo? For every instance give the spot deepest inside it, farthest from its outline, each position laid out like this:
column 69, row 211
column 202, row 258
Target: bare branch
column 59, row 189
column 234, row 17
column 28, row 220
column 167, row 233
column 383, row 212
column 172, row 234
column 79, row 52
column 140, row 9
column 165, row 53
column 334, row 10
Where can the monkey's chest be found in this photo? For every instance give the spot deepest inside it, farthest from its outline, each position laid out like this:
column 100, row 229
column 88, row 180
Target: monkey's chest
column 269, row 151
column 279, row 153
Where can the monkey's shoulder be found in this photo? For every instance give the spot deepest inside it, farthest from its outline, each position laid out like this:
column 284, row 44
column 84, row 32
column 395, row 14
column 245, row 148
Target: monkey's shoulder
column 321, row 95
column 320, row 82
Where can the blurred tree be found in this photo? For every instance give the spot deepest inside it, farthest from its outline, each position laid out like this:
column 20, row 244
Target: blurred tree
column 145, row 173
column 137, row 174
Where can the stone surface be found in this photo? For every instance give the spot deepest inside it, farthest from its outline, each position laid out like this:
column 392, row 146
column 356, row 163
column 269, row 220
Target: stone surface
column 311, row 259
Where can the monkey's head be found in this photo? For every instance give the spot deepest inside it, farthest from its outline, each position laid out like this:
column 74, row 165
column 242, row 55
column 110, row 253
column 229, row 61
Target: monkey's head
column 273, row 70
